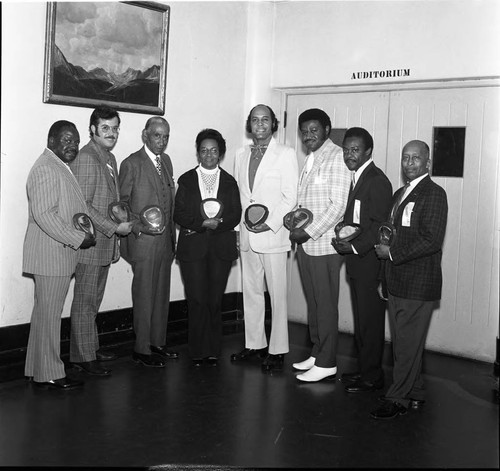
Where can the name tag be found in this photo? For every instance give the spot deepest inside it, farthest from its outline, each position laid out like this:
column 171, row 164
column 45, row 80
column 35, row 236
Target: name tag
column 357, row 212
column 406, row 219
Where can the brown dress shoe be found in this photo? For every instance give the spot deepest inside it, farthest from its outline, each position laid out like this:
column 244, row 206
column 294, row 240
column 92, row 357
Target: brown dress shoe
column 249, row 353
column 390, row 410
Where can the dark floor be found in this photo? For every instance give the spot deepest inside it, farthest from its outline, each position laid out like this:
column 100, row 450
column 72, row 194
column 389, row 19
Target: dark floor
column 234, row 415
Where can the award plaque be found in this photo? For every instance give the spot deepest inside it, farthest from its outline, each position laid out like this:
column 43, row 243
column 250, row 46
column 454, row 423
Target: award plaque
column 83, row 223
column 119, row 212
column 256, row 214
column 346, row 232
column 153, row 220
column 386, row 233
column 300, row 218
column 211, row 208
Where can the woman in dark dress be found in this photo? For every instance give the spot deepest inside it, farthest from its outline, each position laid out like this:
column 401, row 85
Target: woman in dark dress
column 207, row 244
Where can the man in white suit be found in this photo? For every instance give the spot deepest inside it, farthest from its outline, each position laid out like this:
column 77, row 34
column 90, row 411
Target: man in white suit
column 50, row 251
column 267, row 174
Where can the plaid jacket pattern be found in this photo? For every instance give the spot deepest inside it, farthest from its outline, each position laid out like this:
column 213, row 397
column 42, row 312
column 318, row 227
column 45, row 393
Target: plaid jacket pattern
column 415, row 269
column 99, row 190
column 324, row 191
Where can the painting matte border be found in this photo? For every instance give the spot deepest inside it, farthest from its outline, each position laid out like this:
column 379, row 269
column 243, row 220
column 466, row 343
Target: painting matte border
column 158, row 108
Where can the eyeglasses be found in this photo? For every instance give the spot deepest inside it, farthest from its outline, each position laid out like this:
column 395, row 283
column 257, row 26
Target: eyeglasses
column 105, row 128
column 212, row 151
column 351, row 150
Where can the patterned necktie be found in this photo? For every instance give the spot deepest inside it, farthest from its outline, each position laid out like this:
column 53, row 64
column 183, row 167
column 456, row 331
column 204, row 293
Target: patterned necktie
column 261, row 149
column 158, row 165
column 110, row 168
column 398, row 202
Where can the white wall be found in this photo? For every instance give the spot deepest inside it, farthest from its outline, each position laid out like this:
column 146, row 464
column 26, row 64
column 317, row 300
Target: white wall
column 323, row 43
column 206, row 87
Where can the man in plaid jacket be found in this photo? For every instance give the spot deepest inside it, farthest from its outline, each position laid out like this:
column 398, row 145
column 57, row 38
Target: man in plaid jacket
column 96, row 171
column 323, row 189
column 413, row 275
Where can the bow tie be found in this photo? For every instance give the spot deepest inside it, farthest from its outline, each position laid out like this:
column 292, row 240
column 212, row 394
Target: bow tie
column 259, row 147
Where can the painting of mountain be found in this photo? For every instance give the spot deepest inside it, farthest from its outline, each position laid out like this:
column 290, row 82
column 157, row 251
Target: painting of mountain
column 132, row 86
column 89, row 62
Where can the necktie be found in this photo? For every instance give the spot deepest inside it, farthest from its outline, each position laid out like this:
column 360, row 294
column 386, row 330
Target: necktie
column 398, row 202
column 110, row 168
column 158, row 165
column 261, row 149
column 353, row 180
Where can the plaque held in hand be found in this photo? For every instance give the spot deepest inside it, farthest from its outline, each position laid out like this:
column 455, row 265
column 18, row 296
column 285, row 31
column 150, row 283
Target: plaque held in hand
column 300, row 218
column 386, row 233
column 346, row 232
column 211, row 208
column 256, row 214
column 83, row 223
column 153, row 220
column 119, row 212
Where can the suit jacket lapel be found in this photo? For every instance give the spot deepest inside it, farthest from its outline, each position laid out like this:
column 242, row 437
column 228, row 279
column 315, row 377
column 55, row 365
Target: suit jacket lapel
column 359, row 183
column 67, row 174
column 265, row 164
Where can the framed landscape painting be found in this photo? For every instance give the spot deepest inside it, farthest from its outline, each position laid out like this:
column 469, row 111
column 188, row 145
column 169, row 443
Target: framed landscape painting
column 112, row 53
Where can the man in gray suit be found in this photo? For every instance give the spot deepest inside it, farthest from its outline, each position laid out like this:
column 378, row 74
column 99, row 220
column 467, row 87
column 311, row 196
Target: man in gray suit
column 96, row 171
column 146, row 179
column 50, row 251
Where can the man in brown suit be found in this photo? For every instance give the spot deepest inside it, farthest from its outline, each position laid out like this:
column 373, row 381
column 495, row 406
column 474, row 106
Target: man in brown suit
column 96, row 171
column 146, row 179
column 50, row 251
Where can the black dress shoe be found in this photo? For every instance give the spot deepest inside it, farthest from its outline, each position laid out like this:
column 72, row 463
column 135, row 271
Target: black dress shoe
column 390, row 410
column 62, row 383
column 249, row 353
column 148, row 360
column 347, row 378
column 212, row 361
column 164, row 352
column 273, row 362
column 92, row 368
column 197, row 361
column 101, row 355
column 364, row 386
column 414, row 403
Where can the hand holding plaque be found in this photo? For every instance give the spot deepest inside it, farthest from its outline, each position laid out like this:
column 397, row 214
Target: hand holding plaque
column 153, row 220
column 255, row 215
column 346, row 232
column 300, row 218
column 83, row 223
column 386, row 233
column 119, row 212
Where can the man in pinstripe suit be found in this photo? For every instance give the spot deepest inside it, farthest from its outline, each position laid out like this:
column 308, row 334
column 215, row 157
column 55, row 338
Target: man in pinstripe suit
column 96, row 171
column 323, row 188
column 50, row 251
column 413, row 275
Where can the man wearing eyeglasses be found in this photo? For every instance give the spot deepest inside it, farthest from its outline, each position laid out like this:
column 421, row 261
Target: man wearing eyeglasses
column 96, row 171
column 146, row 178
column 368, row 205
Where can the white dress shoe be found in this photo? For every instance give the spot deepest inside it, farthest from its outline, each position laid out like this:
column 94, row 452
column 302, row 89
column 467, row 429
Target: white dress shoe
column 305, row 365
column 316, row 373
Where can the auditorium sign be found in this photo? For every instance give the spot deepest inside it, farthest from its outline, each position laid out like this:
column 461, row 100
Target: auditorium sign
column 377, row 74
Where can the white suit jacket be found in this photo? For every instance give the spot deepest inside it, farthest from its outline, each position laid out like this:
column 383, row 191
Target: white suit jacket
column 275, row 186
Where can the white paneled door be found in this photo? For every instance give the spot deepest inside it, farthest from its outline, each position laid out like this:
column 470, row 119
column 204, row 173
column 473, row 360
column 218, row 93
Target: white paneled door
column 466, row 321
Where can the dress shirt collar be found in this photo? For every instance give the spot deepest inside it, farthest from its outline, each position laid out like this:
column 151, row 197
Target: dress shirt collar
column 357, row 174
